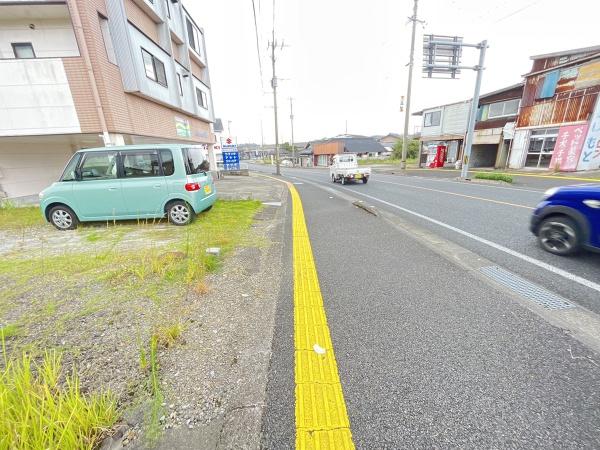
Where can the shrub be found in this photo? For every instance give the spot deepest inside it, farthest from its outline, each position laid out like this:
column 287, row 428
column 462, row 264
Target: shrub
column 494, row 176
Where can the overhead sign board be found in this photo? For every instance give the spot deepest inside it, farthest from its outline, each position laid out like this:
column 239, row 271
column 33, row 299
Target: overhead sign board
column 441, row 56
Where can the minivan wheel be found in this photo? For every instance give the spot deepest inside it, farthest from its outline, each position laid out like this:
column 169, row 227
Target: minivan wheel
column 559, row 235
column 180, row 213
column 63, row 218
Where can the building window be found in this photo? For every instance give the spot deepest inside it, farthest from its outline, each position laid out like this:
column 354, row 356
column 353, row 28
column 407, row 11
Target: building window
column 23, row 50
column 155, row 69
column 107, row 38
column 432, row 119
column 179, row 83
column 541, row 146
column 194, row 37
column 202, row 100
column 168, row 8
column 503, row 109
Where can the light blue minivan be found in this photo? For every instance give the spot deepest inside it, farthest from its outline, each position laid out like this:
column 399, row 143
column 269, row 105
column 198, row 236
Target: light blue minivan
column 130, row 182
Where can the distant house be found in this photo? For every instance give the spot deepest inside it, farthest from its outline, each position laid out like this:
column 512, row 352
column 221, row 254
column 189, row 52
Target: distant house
column 444, row 125
column 494, row 129
column 496, row 117
column 389, row 140
column 323, row 150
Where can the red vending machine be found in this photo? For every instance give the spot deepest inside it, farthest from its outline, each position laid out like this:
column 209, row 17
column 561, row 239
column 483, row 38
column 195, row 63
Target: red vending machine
column 440, row 157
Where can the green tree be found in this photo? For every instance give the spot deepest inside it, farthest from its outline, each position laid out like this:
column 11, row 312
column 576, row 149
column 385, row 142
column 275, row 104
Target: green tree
column 412, row 151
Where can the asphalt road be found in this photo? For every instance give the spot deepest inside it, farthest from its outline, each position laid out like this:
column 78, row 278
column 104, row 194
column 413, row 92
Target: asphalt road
column 498, row 214
column 429, row 355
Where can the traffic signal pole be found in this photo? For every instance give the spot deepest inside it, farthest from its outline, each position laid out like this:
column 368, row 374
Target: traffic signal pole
column 473, row 114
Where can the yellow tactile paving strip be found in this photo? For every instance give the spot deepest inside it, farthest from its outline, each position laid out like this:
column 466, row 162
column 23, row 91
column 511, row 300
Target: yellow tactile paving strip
column 321, row 416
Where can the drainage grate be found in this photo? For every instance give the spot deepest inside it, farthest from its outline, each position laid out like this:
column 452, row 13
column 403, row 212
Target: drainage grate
column 530, row 291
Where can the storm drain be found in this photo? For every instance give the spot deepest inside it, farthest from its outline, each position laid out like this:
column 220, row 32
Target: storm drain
column 526, row 289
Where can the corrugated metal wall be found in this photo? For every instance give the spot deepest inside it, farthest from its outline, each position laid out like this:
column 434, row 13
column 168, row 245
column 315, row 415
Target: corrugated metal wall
column 455, row 118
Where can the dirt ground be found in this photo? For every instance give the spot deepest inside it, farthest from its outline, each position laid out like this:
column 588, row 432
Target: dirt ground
column 101, row 293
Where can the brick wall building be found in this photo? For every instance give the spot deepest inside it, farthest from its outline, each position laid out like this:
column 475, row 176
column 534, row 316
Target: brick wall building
column 87, row 73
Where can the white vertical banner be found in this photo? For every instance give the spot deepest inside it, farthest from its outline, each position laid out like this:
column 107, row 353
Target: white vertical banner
column 590, row 153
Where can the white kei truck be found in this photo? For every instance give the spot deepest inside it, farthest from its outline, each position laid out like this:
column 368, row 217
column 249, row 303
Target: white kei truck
column 344, row 168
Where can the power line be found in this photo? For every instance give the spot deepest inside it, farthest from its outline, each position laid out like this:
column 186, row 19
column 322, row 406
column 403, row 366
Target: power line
column 257, row 45
column 517, row 11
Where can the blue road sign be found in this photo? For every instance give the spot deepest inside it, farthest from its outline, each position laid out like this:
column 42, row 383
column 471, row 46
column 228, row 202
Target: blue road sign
column 231, row 161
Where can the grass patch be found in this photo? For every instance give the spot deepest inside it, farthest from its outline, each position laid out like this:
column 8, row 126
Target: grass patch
column 494, row 176
column 16, row 217
column 142, row 268
column 9, row 330
column 39, row 413
column 149, row 363
column 166, row 336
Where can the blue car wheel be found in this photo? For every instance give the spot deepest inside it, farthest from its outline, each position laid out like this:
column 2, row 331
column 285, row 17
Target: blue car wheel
column 559, row 235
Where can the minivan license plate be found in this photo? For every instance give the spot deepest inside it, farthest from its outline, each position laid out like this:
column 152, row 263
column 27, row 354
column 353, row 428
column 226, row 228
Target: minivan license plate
column 207, row 189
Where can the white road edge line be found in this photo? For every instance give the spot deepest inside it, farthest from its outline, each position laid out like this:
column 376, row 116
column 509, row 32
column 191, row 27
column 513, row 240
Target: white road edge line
column 529, row 259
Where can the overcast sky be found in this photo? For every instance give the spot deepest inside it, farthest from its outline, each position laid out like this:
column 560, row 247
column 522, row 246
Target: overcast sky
column 345, row 60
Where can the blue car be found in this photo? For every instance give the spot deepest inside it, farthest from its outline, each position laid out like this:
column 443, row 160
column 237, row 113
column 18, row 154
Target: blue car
column 568, row 219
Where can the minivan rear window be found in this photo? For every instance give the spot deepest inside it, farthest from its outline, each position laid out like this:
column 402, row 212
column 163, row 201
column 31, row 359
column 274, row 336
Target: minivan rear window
column 195, row 161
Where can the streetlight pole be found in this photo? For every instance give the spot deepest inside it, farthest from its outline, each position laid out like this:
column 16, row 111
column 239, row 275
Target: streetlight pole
column 409, row 87
column 292, row 123
column 472, row 115
column 274, row 86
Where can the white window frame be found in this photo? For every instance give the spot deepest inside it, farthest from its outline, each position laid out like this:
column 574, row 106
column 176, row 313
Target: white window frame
column 180, row 84
column 196, row 36
column 430, row 116
column 154, row 74
column 202, row 98
column 503, row 114
column 16, row 45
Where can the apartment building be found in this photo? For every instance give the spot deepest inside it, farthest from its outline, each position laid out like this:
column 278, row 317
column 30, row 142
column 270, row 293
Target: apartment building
column 85, row 73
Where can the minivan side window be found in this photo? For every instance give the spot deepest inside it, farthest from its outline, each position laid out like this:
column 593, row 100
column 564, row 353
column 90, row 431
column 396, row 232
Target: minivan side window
column 168, row 165
column 69, row 172
column 194, row 161
column 99, row 166
column 140, row 164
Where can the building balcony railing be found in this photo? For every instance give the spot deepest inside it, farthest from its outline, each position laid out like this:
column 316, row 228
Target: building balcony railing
column 566, row 107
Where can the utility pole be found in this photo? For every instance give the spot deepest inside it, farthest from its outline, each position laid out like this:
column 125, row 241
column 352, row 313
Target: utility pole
column 346, row 126
column 273, row 44
column 472, row 115
column 414, row 21
column 292, row 123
